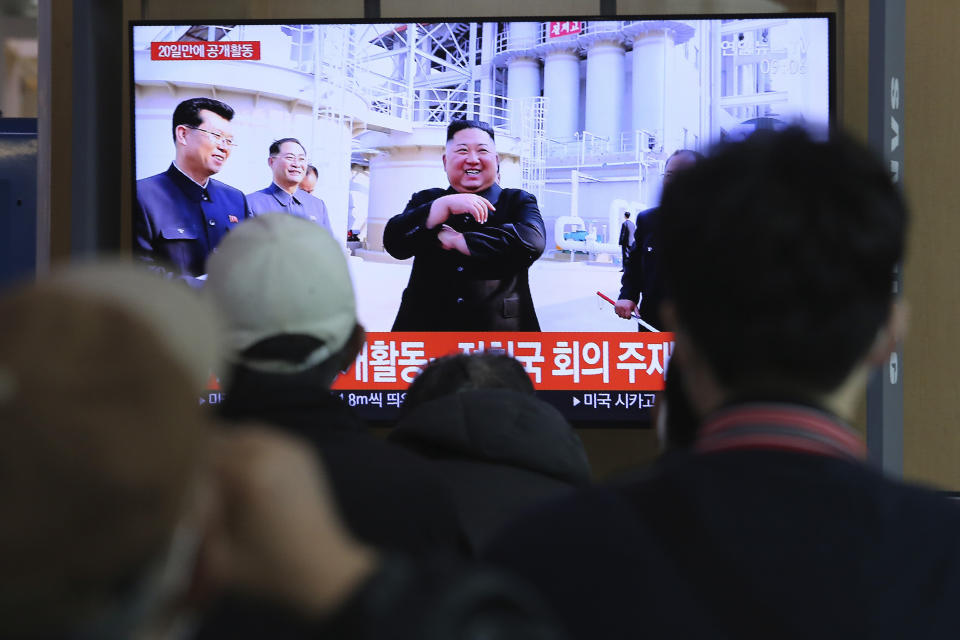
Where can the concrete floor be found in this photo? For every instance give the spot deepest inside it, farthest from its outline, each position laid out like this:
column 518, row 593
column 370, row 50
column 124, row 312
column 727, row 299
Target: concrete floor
column 564, row 294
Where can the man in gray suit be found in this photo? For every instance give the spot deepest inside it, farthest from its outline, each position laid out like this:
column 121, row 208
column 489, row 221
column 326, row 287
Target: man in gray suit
column 288, row 162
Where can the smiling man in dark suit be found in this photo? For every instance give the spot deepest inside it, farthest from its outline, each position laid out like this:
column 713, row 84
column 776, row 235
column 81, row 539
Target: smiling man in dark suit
column 472, row 243
column 181, row 215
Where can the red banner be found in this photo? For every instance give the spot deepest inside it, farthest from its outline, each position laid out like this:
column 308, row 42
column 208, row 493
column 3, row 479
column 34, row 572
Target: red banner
column 245, row 50
column 558, row 29
column 557, row 361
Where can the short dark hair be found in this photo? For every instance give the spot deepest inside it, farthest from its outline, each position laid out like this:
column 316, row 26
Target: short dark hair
column 288, row 347
column 188, row 112
column 465, row 372
column 312, row 169
column 626, row 214
column 696, row 155
column 460, row 125
column 291, row 348
column 275, row 145
column 779, row 252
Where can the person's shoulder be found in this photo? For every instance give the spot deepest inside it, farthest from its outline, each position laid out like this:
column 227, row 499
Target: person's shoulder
column 519, row 201
column 421, row 198
column 266, row 191
column 429, row 194
column 157, row 177
column 217, row 185
column 917, row 523
column 156, row 190
column 517, row 194
column 260, row 195
column 919, row 499
column 160, row 180
column 303, row 196
column 646, row 221
column 583, row 515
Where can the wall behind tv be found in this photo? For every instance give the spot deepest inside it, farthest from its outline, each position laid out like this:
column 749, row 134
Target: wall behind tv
column 932, row 349
column 931, row 134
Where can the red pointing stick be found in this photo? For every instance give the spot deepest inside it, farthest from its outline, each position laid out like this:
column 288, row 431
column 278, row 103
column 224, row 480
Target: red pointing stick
column 633, row 315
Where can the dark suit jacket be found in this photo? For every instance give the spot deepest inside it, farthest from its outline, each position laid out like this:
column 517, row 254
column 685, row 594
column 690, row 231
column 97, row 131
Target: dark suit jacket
column 485, row 291
column 176, row 223
column 748, row 543
column 387, row 496
column 627, row 231
column 641, row 273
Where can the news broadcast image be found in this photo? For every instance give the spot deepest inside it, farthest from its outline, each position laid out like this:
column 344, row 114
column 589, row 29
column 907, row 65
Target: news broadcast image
column 586, row 113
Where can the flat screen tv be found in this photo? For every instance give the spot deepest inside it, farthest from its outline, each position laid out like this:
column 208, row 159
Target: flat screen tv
column 585, row 112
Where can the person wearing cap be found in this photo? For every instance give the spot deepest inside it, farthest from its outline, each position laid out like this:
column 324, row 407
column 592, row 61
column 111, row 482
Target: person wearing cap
column 472, row 244
column 288, row 161
column 180, row 215
column 283, row 285
column 113, row 477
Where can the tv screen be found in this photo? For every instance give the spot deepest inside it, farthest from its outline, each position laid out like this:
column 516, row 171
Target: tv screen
column 584, row 115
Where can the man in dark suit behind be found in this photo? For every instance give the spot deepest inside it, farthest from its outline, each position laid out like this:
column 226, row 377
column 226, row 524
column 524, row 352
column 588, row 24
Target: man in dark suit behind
column 627, row 230
column 780, row 253
column 180, row 215
column 642, row 280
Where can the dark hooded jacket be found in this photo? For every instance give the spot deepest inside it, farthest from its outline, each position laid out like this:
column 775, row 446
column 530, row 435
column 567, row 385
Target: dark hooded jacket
column 500, row 452
column 387, row 496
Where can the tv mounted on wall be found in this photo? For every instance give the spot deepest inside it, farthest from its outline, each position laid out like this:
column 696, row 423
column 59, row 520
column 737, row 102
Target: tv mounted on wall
column 585, row 113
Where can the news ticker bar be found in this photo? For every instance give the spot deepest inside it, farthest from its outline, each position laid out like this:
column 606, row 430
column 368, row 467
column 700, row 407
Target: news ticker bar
column 555, row 361
column 620, row 408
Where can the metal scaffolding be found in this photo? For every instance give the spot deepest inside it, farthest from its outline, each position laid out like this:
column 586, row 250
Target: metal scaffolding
column 533, row 144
